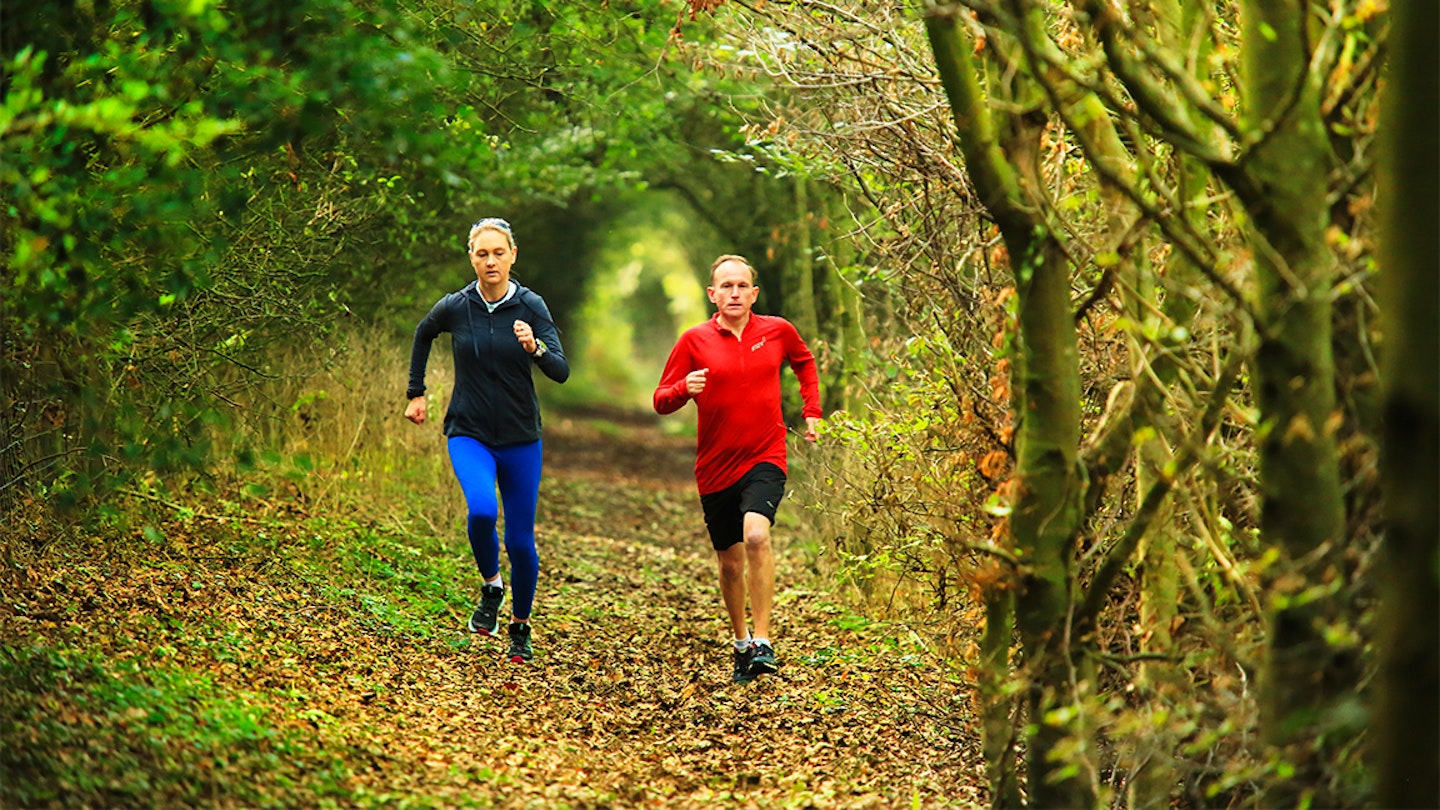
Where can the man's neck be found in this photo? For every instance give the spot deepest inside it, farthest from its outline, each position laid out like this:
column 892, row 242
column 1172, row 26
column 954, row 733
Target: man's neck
column 736, row 326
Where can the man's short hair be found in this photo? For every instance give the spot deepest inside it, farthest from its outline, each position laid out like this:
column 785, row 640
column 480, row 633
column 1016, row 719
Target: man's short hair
column 732, row 257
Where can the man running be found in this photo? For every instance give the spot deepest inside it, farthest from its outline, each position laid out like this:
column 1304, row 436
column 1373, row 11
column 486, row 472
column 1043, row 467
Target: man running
column 730, row 366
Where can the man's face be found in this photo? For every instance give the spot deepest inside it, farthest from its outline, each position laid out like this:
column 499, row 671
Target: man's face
column 732, row 290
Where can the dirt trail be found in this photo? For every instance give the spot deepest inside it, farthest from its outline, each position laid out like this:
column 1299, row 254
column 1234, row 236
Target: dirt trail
column 628, row 702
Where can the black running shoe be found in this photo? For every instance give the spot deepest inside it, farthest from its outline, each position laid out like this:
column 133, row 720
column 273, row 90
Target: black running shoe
column 743, row 673
column 520, row 649
column 486, row 618
column 762, row 660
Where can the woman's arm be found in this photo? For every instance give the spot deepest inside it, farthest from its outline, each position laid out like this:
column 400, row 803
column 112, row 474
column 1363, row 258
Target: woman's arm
column 430, row 326
column 552, row 360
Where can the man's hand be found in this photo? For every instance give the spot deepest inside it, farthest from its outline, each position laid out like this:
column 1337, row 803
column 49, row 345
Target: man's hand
column 812, row 428
column 526, row 336
column 415, row 411
column 695, row 381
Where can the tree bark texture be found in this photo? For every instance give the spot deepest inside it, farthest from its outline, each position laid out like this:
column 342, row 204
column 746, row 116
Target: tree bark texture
column 997, row 708
column 800, row 268
column 1302, row 510
column 1407, row 745
column 845, row 315
column 1047, row 505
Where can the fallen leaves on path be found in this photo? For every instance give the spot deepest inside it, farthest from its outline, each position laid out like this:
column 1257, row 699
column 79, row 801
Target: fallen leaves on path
column 628, row 702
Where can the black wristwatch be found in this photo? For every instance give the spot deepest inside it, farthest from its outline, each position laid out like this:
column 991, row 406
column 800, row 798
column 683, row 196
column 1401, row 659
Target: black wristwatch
column 540, row 349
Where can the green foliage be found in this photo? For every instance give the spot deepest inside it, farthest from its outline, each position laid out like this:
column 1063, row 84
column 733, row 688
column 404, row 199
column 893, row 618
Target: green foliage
column 128, row 153
column 181, row 736
column 647, row 288
column 196, row 184
column 396, row 584
column 158, row 156
column 899, row 491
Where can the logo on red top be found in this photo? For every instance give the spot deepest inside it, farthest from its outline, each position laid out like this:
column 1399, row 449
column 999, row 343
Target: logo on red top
column 758, row 345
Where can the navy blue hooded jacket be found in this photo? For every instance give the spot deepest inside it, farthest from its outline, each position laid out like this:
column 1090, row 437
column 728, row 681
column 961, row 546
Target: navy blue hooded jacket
column 494, row 399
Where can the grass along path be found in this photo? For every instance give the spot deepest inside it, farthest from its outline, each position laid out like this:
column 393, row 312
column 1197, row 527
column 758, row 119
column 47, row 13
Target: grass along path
column 324, row 661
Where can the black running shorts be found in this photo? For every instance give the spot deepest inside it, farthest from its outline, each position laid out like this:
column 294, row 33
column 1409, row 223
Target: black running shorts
column 758, row 490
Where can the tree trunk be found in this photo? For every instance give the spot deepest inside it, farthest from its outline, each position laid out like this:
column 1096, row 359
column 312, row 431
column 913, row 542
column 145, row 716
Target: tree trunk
column 846, row 317
column 1302, row 509
column 1160, row 593
column 1050, row 481
column 800, row 269
column 1048, row 509
column 996, row 707
column 1407, row 744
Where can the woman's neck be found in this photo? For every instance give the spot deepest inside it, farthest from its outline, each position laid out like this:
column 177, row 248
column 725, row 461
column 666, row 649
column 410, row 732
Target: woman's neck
column 493, row 294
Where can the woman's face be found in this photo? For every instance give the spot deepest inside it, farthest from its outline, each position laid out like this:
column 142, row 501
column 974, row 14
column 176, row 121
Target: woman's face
column 491, row 256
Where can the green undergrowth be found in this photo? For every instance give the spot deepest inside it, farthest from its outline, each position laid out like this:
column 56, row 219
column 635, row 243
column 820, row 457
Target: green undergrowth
column 393, row 581
column 79, row 725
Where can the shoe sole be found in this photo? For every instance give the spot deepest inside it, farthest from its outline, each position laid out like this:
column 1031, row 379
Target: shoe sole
column 484, row 632
column 761, row 666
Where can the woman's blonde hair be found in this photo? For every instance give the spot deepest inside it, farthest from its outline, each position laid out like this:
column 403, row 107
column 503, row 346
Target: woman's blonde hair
column 490, row 224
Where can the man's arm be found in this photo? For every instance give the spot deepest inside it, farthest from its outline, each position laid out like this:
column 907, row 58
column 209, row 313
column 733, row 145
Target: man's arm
column 802, row 362
column 673, row 391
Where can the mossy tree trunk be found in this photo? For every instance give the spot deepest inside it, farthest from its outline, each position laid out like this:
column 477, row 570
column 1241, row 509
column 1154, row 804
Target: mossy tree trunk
column 1408, row 713
column 1001, row 156
column 845, row 314
column 799, row 268
column 1160, row 595
column 1159, row 600
column 1302, row 511
column 1048, row 511
column 997, row 724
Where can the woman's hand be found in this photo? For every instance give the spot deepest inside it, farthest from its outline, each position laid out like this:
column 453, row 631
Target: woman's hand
column 526, row 336
column 415, row 411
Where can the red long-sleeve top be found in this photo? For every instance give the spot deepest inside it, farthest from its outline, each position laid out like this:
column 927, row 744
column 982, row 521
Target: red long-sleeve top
column 740, row 420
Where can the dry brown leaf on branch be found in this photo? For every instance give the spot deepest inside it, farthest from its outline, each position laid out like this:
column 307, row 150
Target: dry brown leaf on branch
column 993, row 464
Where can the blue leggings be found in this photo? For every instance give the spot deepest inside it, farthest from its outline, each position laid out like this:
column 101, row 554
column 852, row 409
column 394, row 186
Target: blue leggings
column 517, row 470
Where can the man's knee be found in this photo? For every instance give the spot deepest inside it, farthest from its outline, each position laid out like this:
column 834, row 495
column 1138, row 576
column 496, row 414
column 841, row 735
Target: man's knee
column 757, row 535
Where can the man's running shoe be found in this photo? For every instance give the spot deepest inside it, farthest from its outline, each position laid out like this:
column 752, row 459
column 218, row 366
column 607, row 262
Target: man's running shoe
column 743, row 672
column 762, row 660
column 486, row 618
column 520, row 649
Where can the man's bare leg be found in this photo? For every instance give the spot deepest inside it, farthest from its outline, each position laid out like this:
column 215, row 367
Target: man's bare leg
column 732, row 586
column 760, row 571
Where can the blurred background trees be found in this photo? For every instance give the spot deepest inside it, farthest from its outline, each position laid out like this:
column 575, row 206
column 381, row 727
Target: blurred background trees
column 1092, row 289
